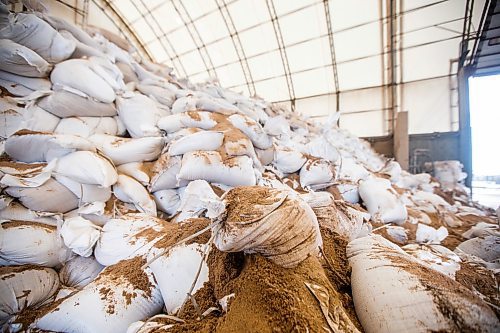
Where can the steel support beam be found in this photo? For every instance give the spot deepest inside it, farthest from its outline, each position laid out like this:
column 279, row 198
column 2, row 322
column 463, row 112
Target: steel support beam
column 281, row 46
column 464, row 122
column 238, row 47
column 332, row 52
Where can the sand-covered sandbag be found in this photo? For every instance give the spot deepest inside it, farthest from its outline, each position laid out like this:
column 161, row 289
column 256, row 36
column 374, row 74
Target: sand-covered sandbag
column 14, row 211
column 486, row 248
column 342, row 219
column 168, row 201
column 31, row 118
column 23, row 86
column 209, row 166
column 382, row 201
column 176, row 270
column 127, row 189
column 127, row 150
column 87, row 126
column 201, row 140
column 352, row 171
column 139, row 114
column 288, row 160
column 436, row 257
column 81, row 75
column 80, row 235
column 28, row 146
column 37, row 35
column 394, row 292
column 18, row 59
column 129, row 236
column 140, row 171
column 40, row 244
column 274, row 223
column 198, row 119
column 51, row 196
column 317, row 174
column 79, row 271
column 64, row 104
column 320, row 147
column 87, row 168
column 119, row 296
column 25, row 287
column 252, row 129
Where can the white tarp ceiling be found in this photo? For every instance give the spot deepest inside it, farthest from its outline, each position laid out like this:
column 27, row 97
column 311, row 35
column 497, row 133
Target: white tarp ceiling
column 288, row 50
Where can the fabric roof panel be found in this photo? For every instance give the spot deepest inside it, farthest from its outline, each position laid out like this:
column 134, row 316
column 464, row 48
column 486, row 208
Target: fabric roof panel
column 313, row 82
column 247, row 13
column 266, row 66
column 197, row 8
column 158, row 51
column 273, row 89
column 193, row 63
column 230, row 75
column 341, row 13
column 222, row 52
column 167, row 17
column 287, row 6
column 314, row 53
column 303, row 25
column 361, row 73
column 358, row 42
column 211, row 27
column 259, row 40
column 181, row 41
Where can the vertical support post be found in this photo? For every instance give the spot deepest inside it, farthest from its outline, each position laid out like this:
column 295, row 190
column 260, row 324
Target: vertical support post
column 465, row 138
column 401, row 140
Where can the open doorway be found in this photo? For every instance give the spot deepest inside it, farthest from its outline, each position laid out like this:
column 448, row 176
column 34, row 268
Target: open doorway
column 484, row 99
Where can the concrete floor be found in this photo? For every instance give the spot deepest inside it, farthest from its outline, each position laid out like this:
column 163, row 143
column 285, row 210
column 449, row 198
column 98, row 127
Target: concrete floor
column 486, row 193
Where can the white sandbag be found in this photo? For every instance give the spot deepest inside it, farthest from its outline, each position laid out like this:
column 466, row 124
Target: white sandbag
column 21, row 85
column 428, row 234
column 64, row 104
column 393, row 169
column 209, row 166
column 79, row 271
column 265, row 156
column 394, row 292
column 322, row 148
column 168, row 201
column 32, row 118
column 176, row 271
column 87, row 126
column 85, row 193
column 51, row 196
column 129, row 190
column 199, row 197
column 397, row 234
column 202, row 140
column 274, row 223
column 61, row 24
column 40, row 245
column 80, row 235
column 352, row 170
column 125, row 150
column 487, row 248
column 37, row 35
column 482, row 229
column 128, row 73
column 382, row 201
column 436, row 257
column 27, row 146
column 349, row 192
column 25, row 287
column 23, row 174
column 277, row 126
column 126, row 237
column 164, row 173
column 317, row 174
column 449, row 173
column 119, row 296
column 79, row 74
column 342, row 219
column 252, row 129
column 17, row 212
column 288, row 160
column 87, row 168
column 198, row 119
column 161, row 94
column 139, row 114
column 140, row 171
column 20, row 60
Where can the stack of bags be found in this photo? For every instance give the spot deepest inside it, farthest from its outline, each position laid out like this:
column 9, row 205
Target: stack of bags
column 111, row 164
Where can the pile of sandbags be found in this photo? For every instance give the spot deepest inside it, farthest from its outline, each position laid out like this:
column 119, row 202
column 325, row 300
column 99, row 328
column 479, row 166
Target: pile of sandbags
column 119, row 183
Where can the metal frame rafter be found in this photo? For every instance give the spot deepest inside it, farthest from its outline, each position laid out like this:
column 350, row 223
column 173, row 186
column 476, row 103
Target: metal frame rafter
column 195, row 35
column 281, row 46
column 332, row 52
column 235, row 38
